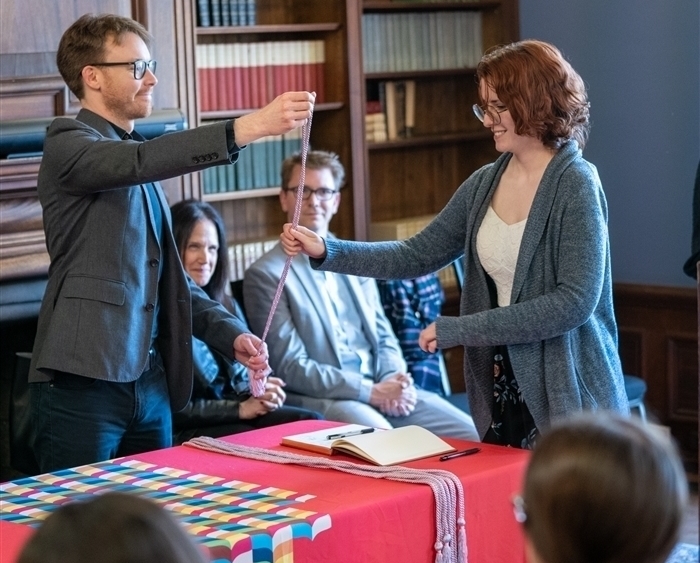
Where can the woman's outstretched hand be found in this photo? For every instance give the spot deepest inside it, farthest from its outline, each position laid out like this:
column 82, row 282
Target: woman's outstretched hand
column 301, row 239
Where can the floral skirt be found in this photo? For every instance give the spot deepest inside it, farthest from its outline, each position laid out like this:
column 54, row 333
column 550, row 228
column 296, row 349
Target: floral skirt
column 511, row 424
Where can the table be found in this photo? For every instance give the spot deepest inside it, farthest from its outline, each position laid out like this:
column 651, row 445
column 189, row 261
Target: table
column 295, row 514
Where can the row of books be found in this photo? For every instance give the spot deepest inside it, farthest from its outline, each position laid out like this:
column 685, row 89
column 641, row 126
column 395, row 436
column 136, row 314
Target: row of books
column 258, row 165
column 421, row 41
column 375, row 124
column 241, row 255
column 394, row 109
column 236, row 76
column 401, row 229
column 226, row 12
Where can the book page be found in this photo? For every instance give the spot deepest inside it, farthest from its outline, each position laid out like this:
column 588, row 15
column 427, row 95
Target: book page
column 318, row 441
column 397, row 445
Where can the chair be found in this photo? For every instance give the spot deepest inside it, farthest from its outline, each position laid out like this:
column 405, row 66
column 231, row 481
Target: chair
column 237, row 296
column 635, row 387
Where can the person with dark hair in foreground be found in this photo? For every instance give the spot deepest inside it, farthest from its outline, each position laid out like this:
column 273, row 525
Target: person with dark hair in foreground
column 221, row 403
column 601, row 488
column 536, row 315
column 111, row 528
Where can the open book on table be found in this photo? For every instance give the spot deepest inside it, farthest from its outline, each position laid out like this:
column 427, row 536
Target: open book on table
column 380, row 447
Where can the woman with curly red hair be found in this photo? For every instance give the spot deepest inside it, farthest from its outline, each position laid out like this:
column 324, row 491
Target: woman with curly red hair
column 536, row 315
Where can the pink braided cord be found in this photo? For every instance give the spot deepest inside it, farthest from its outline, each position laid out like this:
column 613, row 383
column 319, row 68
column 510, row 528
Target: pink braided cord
column 257, row 386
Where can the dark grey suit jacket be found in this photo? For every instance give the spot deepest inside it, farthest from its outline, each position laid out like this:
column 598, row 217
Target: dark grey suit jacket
column 97, row 312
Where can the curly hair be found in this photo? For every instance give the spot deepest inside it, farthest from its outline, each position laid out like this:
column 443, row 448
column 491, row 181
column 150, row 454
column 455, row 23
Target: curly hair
column 83, row 43
column 545, row 96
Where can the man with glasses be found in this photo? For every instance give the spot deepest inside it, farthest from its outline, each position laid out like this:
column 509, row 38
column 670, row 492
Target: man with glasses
column 113, row 349
column 331, row 337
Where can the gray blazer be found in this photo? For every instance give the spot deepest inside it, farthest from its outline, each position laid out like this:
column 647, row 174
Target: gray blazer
column 302, row 345
column 97, row 312
column 560, row 326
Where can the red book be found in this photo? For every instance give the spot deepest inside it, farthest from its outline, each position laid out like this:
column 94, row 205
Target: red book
column 298, row 66
column 261, row 74
column 245, row 77
column 237, row 76
column 253, row 86
column 220, row 87
column 210, row 69
column 320, row 64
column 307, row 65
column 281, row 70
column 269, row 71
column 201, row 79
column 230, row 78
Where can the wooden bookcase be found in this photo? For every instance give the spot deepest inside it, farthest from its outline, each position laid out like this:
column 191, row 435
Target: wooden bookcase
column 256, row 214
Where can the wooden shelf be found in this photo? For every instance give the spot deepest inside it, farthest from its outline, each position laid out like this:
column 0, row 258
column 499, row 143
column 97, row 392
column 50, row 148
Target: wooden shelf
column 419, row 74
column 230, row 114
column 429, row 6
column 18, row 177
column 245, row 194
column 269, row 29
column 430, row 140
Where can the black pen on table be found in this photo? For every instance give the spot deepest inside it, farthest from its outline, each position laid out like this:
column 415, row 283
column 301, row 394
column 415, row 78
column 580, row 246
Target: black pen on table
column 460, row 454
column 348, row 434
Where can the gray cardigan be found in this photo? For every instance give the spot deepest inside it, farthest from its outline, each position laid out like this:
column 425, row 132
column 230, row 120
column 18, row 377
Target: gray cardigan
column 560, row 325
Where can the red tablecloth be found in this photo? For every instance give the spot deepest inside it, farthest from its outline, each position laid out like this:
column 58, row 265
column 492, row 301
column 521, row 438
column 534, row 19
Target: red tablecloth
column 345, row 518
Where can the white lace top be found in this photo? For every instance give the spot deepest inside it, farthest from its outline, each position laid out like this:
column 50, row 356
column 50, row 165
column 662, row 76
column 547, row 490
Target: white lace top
column 498, row 245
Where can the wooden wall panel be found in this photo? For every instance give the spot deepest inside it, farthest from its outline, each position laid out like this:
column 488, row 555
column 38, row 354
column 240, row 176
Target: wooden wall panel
column 28, row 43
column 659, row 342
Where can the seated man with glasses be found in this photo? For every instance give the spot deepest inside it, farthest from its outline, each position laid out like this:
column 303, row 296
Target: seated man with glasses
column 329, row 335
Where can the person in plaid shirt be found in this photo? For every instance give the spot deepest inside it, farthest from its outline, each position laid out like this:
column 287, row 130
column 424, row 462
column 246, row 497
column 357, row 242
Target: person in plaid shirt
column 411, row 305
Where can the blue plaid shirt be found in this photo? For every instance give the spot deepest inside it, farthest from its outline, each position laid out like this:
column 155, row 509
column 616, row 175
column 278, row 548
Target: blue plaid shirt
column 411, row 305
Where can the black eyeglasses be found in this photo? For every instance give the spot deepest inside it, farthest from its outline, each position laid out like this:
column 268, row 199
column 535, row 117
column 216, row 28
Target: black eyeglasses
column 139, row 65
column 494, row 112
column 322, row 194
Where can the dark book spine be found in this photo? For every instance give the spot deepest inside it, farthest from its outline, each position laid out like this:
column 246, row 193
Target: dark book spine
column 203, row 15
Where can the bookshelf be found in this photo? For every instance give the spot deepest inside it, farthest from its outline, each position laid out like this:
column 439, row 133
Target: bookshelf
column 283, row 34
column 416, row 175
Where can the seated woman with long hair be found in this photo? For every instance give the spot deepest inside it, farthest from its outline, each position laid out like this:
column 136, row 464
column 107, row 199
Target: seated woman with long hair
column 221, row 403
